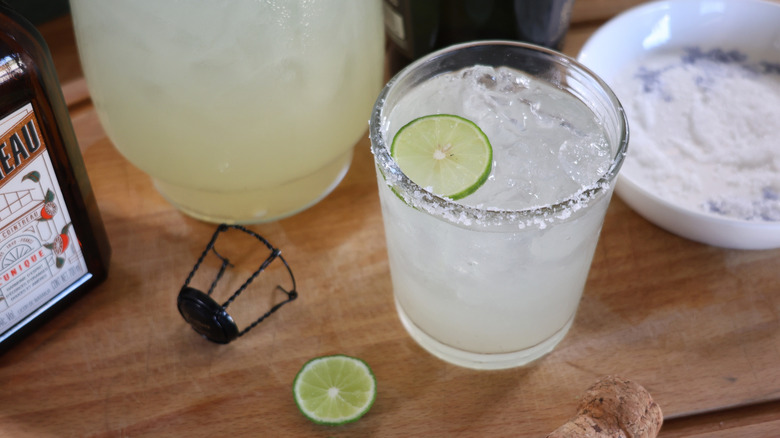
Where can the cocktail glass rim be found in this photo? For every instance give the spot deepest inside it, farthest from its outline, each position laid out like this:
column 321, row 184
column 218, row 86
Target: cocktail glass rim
column 457, row 213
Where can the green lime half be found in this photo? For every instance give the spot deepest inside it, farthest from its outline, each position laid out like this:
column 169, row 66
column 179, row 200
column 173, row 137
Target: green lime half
column 334, row 390
column 447, row 154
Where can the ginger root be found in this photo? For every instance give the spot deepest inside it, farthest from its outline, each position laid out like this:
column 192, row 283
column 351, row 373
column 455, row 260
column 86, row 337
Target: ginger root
column 616, row 408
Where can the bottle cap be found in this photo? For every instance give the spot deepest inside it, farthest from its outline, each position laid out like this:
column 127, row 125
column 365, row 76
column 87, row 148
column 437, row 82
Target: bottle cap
column 207, row 317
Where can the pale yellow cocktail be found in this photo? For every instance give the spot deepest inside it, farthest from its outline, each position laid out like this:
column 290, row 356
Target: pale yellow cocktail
column 241, row 111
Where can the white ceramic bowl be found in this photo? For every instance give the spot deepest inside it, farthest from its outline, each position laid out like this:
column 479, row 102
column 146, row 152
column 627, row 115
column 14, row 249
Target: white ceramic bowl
column 750, row 26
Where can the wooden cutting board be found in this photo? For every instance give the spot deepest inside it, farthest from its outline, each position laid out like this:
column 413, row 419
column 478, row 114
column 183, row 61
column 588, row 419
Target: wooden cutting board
column 698, row 326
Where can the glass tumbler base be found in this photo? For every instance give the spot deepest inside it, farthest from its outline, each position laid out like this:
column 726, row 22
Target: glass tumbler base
column 259, row 205
column 481, row 361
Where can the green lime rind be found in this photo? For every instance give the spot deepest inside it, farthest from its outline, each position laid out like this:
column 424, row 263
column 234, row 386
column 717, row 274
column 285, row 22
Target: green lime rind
column 334, row 390
column 448, row 154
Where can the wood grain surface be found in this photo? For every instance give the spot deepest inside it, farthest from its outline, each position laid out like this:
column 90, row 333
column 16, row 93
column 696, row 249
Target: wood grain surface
column 698, row 326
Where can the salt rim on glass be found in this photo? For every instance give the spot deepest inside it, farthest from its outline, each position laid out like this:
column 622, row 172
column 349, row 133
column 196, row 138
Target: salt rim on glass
column 539, row 217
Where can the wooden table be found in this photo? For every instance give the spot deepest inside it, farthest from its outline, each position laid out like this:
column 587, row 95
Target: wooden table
column 697, row 325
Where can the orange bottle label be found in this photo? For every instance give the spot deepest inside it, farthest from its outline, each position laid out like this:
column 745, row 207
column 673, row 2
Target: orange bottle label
column 40, row 258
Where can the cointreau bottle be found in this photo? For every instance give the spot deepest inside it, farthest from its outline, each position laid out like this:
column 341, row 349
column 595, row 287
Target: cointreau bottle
column 53, row 246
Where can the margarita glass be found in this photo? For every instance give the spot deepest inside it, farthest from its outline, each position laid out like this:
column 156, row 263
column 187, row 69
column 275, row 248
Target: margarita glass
column 494, row 280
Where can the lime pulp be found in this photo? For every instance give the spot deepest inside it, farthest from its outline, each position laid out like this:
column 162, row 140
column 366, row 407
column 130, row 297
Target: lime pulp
column 334, row 390
column 446, row 154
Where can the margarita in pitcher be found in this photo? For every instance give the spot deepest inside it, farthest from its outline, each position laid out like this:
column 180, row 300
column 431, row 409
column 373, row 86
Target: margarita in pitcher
column 488, row 269
column 243, row 111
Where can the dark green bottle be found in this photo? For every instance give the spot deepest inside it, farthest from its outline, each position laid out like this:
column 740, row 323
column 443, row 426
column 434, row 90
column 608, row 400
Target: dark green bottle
column 417, row 27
